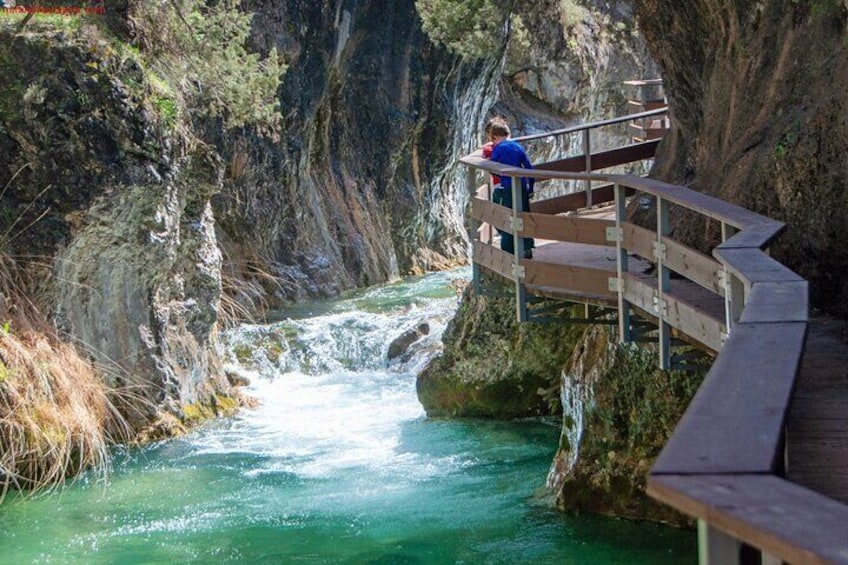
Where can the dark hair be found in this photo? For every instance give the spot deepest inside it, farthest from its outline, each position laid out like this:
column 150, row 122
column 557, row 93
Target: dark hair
column 497, row 126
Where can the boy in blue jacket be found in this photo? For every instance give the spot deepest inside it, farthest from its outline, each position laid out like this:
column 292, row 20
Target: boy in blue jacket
column 509, row 152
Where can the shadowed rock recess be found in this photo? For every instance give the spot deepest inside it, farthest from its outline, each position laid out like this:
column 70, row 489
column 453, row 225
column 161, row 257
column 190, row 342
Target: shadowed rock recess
column 758, row 94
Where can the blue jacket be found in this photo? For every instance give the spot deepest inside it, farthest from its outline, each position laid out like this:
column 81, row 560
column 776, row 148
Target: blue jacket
column 508, row 152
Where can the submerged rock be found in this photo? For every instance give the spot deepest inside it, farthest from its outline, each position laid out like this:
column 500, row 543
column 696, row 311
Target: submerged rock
column 401, row 344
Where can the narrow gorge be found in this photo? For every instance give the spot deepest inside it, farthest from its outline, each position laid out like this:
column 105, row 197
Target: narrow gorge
column 170, row 170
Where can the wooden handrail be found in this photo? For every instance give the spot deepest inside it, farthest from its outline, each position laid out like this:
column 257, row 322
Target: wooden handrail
column 592, row 125
column 723, row 463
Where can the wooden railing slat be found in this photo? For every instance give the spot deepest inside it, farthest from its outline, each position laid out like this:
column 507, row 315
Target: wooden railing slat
column 687, row 318
column 573, row 201
column 638, row 240
column 703, row 203
column 783, row 519
column 603, row 159
column 694, row 265
column 493, row 214
column 493, row 259
column 735, row 421
column 575, row 279
column 566, row 228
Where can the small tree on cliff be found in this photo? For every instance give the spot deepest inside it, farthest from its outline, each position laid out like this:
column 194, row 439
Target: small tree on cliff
column 203, row 50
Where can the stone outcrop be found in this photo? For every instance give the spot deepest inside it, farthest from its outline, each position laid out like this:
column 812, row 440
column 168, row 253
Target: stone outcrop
column 98, row 184
column 494, row 367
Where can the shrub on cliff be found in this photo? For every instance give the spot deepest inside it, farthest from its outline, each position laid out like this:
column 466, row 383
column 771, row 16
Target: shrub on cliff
column 202, row 49
column 471, row 28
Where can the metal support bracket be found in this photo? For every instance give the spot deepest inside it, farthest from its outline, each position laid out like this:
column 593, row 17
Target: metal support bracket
column 660, row 306
column 724, row 280
column 615, row 235
column 615, row 284
column 519, row 271
column 660, row 253
column 517, row 224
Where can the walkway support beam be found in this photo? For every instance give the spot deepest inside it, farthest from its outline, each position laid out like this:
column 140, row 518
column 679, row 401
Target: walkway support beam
column 734, row 295
column 518, row 248
column 474, row 230
column 663, row 284
column 587, row 153
column 621, row 265
column 717, row 548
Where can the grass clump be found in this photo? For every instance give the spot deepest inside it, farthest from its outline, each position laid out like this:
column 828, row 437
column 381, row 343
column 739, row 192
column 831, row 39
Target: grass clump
column 56, row 415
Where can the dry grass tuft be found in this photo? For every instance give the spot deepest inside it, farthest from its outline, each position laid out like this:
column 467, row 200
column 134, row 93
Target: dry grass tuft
column 246, row 287
column 56, row 417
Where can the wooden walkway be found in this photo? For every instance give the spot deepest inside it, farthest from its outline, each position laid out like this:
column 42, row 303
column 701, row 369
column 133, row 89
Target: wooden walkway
column 568, row 254
column 817, row 425
column 760, row 458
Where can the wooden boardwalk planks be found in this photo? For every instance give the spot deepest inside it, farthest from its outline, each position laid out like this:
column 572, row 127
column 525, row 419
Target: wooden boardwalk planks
column 817, row 425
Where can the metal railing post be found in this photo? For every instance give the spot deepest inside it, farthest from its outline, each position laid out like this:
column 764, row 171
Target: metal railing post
column 663, row 284
column 474, row 227
column 734, row 290
column 621, row 266
column 518, row 249
column 715, row 547
column 587, row 152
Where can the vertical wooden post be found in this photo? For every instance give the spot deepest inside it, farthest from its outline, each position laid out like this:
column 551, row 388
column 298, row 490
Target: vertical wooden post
column 587, row 152
column 518, row 248
column 621, row 266
column 734, row 290
column 663, row 284
column 715, row 547
column 490, row 190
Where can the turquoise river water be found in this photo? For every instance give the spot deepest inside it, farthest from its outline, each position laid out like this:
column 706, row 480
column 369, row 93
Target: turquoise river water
column 337, row 465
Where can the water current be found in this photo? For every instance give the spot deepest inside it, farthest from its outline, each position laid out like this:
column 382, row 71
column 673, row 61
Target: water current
column 338, row 464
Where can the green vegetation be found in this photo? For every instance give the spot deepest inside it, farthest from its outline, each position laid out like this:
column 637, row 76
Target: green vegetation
column 470, row 28
column 202, row 49
column 572, row 13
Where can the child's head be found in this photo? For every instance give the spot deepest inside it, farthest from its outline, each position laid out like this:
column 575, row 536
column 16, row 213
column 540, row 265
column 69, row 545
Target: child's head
column 496, row 128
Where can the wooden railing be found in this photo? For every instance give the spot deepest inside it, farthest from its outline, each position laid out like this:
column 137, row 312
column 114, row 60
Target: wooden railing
column 725, row 461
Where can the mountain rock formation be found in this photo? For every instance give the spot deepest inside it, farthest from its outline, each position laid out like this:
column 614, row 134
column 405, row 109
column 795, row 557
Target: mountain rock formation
column 758, row 93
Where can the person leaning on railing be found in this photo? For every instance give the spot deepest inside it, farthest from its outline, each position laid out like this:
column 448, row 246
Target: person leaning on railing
column 508, row 152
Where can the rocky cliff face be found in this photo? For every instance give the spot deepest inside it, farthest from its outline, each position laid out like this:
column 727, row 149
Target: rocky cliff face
column 362, row 186
column 121, row 207
column 98, row 184
column 758, row 92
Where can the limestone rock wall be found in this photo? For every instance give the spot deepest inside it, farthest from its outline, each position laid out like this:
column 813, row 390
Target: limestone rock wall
column 363, row 185
column 758, row 92
column 106, row 207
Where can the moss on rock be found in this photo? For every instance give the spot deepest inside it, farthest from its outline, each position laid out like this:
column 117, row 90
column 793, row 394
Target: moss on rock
column 494, row 367
column 626, row 412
